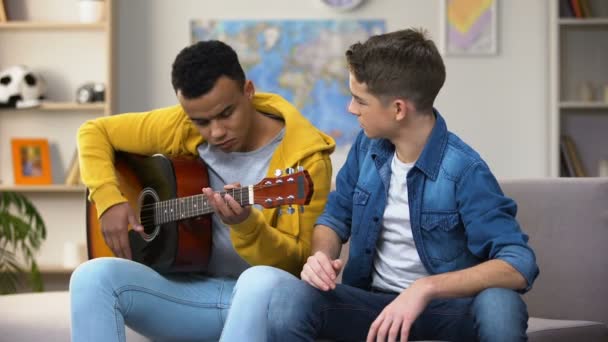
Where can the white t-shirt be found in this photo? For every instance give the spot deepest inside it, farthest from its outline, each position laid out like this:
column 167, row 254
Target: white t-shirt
column 246, row 168
column 396, row 263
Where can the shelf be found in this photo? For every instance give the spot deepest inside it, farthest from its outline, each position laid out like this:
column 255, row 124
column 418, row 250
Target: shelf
column 51, row 25
column 583, row 105
column 49, row 106
column 55, row 269
column 55, row 106
column 583, row 22
column 55, row 188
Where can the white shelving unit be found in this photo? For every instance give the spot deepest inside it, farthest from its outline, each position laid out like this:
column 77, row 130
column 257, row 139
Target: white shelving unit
column 50, row 25
column 579, row 51
column 47, row 37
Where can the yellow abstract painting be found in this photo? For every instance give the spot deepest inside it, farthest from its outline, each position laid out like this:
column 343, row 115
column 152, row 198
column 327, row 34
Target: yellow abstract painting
column 469, row 27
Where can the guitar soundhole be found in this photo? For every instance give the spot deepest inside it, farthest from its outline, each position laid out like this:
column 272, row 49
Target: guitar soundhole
column 147, row 200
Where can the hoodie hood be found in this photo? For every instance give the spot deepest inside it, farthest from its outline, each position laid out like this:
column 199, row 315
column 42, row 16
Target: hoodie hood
column 302, row 139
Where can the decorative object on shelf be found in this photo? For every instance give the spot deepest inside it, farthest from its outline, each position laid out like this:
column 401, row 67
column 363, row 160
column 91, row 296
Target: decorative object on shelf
column 20, row 87
column 91, row 92
column 342, row 5
column 91, row 11
column 74, row 254
column 585, row 92
column 31, row 161
column 469, row 27
column 22, row 231
column 3, row 17
column 602, row 168
column 72, row 173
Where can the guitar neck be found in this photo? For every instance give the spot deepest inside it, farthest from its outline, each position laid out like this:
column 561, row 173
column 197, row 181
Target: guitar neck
column 192, row 206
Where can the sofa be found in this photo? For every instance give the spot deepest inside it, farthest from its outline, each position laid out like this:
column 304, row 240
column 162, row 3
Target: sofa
column 566, row 219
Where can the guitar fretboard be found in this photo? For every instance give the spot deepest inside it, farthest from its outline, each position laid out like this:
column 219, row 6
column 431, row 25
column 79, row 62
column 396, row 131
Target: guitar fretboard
column 192, row 206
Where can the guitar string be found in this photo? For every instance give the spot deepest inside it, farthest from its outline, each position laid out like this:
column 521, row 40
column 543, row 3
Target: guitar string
column 188, row 201
column 149, row 218
column 182, row 199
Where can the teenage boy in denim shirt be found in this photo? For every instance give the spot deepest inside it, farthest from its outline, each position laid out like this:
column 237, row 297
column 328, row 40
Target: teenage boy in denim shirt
column 435, row 250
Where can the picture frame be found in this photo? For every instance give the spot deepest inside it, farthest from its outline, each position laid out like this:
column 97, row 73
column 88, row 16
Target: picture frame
column 469, row 27
column 31, row 161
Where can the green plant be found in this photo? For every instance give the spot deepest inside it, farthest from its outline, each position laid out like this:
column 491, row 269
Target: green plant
column 22, row 230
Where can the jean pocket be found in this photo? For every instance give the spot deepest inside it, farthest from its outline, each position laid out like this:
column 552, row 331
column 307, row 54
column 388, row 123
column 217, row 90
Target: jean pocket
column 443, row 235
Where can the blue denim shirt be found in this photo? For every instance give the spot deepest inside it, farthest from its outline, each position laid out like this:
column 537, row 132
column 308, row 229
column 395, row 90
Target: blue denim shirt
column 459, row 215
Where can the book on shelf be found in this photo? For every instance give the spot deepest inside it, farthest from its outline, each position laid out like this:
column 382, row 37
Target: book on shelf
column 565, row 163
column 575, row 8
column 585, row 8
column 565, row 9
column 570, row 157
column 72, row 175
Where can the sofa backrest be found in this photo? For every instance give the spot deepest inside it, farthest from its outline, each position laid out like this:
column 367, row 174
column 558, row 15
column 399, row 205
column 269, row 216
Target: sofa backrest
column 567, row 221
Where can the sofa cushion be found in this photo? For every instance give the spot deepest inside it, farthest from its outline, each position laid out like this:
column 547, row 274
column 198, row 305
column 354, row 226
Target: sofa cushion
column 554, row 330
column 40, row 317
column 567, row 221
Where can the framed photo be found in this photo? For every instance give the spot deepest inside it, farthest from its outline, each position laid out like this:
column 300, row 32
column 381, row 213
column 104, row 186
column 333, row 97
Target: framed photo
column 31, row 161
column 469, row 27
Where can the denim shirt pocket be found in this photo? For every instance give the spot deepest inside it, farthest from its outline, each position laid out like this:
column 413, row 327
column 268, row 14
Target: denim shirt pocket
column 443, row 235
column 360, row 199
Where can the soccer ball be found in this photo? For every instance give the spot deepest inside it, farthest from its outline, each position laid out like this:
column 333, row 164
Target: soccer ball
column 20, row 88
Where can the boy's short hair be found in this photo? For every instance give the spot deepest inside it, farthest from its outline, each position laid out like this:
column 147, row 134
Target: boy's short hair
column 198, row 66
column 401, row 64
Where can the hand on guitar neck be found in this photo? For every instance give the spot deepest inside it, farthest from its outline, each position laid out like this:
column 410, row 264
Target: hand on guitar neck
column 114, row 226
column 115, row 221
column 227, row 208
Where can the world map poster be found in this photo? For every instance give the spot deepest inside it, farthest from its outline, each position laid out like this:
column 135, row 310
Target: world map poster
column 302, row 60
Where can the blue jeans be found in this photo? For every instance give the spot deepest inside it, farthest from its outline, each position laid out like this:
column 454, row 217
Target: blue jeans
column 298, row 312
column 107, row 293
column 248, row 321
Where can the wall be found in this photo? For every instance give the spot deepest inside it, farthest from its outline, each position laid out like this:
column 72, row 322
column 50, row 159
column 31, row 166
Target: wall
column 497, row 104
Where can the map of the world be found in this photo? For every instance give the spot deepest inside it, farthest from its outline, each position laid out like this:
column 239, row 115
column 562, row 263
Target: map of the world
column 302, row 60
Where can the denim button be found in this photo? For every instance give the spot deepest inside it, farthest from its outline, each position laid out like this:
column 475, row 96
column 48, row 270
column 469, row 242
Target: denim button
column 368, row 251
column 376, row 218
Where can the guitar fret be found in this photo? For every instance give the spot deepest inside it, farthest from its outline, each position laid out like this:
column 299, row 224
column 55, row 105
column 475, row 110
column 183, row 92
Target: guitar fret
column 191, row 206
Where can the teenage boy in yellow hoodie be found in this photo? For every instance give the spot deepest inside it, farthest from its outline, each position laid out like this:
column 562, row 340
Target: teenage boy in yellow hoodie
column 242, row 137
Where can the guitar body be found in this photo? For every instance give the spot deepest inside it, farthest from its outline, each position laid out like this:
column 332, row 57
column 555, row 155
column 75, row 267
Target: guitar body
column 178, row 246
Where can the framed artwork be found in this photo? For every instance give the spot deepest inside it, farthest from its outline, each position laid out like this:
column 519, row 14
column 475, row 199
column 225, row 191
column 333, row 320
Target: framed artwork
column 469, row 27
column 31, row 161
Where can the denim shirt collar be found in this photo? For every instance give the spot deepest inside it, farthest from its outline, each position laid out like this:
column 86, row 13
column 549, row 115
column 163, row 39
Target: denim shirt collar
column 431, row 156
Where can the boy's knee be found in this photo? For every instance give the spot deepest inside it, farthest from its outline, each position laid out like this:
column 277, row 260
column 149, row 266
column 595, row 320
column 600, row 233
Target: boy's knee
column 93, row 272
column 266, row 274
column 500, row 315
column 291, row 302
column 261, row 278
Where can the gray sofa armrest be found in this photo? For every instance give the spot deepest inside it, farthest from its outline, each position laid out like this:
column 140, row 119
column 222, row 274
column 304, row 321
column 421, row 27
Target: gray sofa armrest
column 567, row 221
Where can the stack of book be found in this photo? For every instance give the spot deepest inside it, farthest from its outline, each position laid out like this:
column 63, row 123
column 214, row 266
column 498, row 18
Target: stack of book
column 575, row 9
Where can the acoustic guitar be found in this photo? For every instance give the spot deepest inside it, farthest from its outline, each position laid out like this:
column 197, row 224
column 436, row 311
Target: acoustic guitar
column 166, row 193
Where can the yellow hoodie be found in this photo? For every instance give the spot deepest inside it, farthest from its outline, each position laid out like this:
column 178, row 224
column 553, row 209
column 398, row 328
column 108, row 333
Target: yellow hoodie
column 264, row 238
